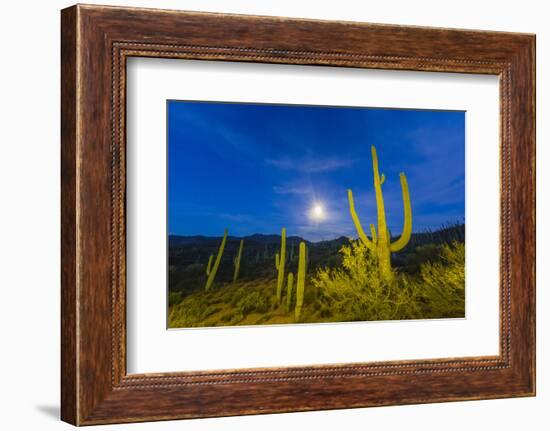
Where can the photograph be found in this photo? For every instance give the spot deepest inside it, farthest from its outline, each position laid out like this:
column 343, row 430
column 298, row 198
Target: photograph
column 288, row 214
column 275, row 209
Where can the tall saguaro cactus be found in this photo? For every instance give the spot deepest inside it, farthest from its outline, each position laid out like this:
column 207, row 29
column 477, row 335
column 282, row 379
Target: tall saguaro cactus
column 211, row 271
column 380, row 241
column 289, row 287
column 209, row 265
column 301, row 280
column 237, row 261
column 280, row 259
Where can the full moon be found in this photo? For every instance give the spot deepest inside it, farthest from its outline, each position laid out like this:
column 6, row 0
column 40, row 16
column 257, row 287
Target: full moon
column 317, row 212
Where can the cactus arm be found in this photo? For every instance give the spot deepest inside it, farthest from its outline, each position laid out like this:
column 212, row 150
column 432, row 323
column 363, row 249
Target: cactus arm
column 382, row 179
column 277, row 261
column 373, row 233
column 407, row 216
column 300, row 285
column 237, row 261
column 209, row 266
column 357, row 223
column 289, row 287
column 214, row 269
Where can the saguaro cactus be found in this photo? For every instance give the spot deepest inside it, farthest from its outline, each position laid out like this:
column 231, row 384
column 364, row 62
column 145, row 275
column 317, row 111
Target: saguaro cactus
column 211, row 271
column 291, row 256
column 380, row 241
column 237, row 261
column 280, row 259
column 209, row 265
column 289, row 287
column 301, row 280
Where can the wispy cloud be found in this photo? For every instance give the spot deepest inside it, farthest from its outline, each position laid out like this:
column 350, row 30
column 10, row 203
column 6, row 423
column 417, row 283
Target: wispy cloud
column 240, row 218
column 310, row 164
column 224, row 139
column 291, row 190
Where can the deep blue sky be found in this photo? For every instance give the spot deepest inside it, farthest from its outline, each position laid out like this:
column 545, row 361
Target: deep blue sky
column 255, row 168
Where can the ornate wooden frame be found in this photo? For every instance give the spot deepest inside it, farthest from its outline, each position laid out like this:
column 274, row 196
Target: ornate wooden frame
column 95, row 42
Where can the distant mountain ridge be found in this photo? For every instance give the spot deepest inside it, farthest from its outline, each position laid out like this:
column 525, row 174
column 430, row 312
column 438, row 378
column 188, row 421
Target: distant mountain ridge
column 444, row 234
column 181, row 240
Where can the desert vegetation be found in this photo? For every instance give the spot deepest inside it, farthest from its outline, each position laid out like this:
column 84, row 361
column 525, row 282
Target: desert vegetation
column 233, row 281
column 430, row 284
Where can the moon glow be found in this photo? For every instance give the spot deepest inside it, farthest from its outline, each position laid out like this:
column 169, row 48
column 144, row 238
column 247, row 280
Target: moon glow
column 317, row 212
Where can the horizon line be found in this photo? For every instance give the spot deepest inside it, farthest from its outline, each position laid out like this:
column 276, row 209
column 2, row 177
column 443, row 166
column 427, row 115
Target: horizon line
column 299, row 236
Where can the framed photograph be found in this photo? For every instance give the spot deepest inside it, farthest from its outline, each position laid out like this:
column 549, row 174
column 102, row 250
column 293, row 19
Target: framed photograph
column 266, row 215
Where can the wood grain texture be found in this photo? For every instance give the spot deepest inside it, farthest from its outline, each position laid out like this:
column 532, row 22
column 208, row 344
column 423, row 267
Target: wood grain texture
column 96, row 41
column 69, row 367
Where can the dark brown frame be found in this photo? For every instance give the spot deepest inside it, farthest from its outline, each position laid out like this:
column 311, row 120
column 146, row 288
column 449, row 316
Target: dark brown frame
column 96, row 41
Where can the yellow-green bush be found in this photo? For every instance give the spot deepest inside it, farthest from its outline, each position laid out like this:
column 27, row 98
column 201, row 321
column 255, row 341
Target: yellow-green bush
column 356, row 292
column 253, row 302
column 442, row 282
column 174, row 298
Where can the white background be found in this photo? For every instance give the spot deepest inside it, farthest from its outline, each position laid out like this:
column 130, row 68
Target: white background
column 151, row 348
column 29, row 217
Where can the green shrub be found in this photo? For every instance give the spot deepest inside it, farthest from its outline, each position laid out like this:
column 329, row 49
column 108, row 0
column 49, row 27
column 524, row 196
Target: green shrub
column 253, row 302
column 174, row 298
column 442, row 282
column 210, row 310
column 189, row 312
column 356, row 291
column 411, row 262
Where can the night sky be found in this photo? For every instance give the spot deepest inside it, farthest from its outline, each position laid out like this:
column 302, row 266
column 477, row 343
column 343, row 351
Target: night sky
column 255, row 168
